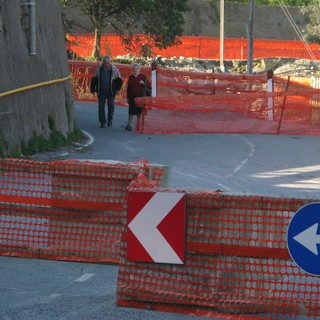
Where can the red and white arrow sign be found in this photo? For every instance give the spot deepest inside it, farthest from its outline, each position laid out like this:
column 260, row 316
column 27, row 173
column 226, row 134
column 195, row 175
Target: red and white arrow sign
column 156, row 223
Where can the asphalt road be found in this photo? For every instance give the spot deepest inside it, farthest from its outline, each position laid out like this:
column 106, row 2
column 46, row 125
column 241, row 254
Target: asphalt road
column 54, row 290
column 286, row 166
column 281, row 166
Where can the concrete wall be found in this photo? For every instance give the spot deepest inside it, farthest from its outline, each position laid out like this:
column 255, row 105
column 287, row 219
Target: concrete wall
column 24, row 114
column 270, row 22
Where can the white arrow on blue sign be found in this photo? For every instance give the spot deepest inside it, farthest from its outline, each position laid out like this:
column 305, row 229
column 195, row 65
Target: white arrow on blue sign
column 303, row 238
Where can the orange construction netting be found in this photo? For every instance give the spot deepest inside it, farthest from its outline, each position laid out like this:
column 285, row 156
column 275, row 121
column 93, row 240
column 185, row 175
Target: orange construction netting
column 67, row 210
column 82, row 73
column 237, row 261
column 292, row 112
column 237, row 264
column 200, row 102
column 195, row 47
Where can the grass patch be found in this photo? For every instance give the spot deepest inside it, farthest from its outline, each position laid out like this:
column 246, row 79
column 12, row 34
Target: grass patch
column 38, row 143
column 15, row 152
column 75, row 136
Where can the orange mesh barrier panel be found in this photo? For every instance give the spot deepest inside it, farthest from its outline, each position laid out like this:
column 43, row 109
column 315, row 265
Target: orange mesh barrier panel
column 237, row 264
column 291, row 112
column 182, row 83
column 66, row 210
column 196, row 47
column 199, row 102
column 82, row 73
column 176, row 83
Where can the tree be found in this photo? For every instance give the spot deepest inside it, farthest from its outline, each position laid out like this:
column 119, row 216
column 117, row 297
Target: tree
column 161, row 20
column 67, row 23
column 312, row 29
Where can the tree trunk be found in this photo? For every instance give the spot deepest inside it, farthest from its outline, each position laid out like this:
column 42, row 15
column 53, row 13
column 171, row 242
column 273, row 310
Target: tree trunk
column 96, row 45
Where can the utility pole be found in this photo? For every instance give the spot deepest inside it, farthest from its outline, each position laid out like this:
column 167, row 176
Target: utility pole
column 250, row 38
column 222, row 35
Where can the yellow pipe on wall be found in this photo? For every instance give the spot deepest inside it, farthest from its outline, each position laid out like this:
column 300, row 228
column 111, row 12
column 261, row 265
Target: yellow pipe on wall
column 34, row 86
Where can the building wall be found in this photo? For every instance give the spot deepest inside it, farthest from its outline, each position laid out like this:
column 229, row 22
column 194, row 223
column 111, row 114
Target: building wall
column 22, row 115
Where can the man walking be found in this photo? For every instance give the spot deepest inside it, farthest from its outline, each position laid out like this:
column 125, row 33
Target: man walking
column 106, row 82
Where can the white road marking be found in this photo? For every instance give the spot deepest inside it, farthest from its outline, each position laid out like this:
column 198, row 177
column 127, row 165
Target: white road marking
column 85, row 277
column 224, row 187
column 130, row 149
column 207, row 178
column 64, row 154
column 185, row 174
column 244, row 161
column 89, row 143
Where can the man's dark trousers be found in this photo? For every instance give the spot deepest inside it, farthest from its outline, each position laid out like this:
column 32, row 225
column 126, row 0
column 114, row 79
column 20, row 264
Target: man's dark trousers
column 103, row 96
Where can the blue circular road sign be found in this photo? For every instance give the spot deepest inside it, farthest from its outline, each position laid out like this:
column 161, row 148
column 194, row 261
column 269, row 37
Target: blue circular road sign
column 303, row 238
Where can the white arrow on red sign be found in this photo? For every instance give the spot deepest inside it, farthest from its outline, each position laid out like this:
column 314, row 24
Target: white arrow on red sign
column 156, row 227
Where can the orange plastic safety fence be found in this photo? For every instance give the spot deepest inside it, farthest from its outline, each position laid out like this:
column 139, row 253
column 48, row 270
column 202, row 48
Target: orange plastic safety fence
column 181, row 83
column 66, row 210
column 176, row 82
column 195, row 47
column 82, row 73
column 237, row 263
column 199, row 102
column 291, row 112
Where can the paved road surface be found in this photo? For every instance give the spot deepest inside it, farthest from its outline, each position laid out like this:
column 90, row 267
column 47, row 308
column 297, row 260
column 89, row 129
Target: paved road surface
column 284, row 166
column 54, row 290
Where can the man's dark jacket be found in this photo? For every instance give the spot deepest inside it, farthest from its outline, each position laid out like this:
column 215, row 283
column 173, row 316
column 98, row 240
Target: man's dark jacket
column 116, row 81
